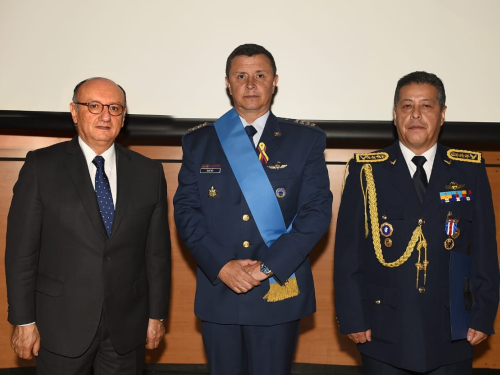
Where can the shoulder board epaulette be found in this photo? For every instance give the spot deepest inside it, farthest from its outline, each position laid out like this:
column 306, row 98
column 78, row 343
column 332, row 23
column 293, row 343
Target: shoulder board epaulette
column 197, row 127
column 301, row 122
column 464, row 155
column 372, row 157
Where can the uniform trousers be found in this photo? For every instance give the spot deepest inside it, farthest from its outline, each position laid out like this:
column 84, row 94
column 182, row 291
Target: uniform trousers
column 372, row 366
column 100, row 357
column 250, row 350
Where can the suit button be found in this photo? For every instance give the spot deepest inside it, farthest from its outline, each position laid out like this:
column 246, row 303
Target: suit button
column 246, row 244
column 108, row 259
column 246, row 217
column 421, row 221
column 377, row 302
column 421, row 290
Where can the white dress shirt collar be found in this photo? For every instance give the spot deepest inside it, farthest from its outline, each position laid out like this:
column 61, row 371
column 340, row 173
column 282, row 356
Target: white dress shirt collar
column 430, row 155
column 109, row 165
column 109, row 155
column 259, row 125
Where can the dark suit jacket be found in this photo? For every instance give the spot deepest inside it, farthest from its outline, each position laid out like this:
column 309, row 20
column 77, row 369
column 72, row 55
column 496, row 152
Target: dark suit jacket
column 411, row 329
column 63, row 270
column 214, row 229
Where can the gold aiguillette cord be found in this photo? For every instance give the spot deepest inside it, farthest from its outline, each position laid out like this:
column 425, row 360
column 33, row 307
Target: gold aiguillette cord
column 417, row 238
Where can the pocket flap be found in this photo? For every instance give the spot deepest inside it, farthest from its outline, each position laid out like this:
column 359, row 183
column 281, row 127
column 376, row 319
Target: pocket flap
column 462, row 210
column 381, row 295
column 48, row 285
column 391, row 213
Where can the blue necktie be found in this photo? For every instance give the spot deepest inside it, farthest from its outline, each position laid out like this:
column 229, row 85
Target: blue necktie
column 103, row 192
column 420, row 177
column 251, row 131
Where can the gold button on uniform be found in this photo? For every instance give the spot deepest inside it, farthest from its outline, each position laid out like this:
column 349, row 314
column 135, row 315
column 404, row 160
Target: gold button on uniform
column 246, row 217
column 377, row 302
column 421, row 289
column 421, row 221
column 246, row 244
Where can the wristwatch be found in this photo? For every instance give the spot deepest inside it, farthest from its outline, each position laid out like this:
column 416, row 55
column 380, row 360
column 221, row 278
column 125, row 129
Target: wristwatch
column 265, row 270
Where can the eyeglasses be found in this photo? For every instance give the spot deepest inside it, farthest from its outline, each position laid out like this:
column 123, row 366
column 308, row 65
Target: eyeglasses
column 114, row 109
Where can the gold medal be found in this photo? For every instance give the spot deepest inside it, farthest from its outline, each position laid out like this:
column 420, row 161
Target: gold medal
column 449, row 243
column 388, row 242
column 456, row 234
column 386, row 229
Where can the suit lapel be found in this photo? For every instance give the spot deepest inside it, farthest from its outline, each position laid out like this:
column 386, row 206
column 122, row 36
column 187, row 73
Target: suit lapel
column 271, row 136
column 125, row 178
column 439, row 176
column 79, row 172
column 400, row 175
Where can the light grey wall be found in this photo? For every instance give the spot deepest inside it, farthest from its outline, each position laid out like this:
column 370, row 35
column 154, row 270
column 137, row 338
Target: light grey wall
column 336, row 59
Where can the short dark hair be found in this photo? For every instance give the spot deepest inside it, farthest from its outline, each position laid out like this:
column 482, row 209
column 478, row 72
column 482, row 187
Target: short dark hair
column 420, row 78
column 249, row 50
column 77, row 87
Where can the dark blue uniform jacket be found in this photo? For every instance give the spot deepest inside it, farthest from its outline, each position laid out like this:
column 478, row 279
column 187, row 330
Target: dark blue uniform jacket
column 214, row 228
column 411, row 327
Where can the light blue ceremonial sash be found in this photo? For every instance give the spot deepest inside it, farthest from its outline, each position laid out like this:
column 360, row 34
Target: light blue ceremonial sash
column 256, row 188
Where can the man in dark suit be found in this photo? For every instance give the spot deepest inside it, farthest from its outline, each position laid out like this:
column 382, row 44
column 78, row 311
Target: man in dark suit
column 88, row 246
column 251, row 292
column 409, row 214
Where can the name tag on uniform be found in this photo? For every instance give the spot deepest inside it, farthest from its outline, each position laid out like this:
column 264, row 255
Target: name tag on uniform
column 210, row 168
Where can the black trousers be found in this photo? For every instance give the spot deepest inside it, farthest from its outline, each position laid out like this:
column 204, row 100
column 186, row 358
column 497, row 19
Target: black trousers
column 100, row 357
column 372, row 366
column 250, row 350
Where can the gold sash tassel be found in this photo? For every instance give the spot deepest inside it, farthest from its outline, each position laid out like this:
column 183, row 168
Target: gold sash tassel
column 279, row 292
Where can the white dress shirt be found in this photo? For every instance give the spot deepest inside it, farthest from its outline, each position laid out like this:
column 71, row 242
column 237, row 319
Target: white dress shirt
column 430, row 155
column 109, row 165
column 259, row 125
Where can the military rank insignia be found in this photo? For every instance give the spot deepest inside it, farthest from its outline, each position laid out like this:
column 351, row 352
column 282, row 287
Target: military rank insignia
column 197, row 127
column 464, row 155
column 372, row 157
column 263, row 158
column 455, row 196
column 212, row 193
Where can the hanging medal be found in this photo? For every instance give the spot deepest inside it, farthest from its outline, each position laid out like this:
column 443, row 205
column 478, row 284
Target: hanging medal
column 452, row 230
column 386, row 230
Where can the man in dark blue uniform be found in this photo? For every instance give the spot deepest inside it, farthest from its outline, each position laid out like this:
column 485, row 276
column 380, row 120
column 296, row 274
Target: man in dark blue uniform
column 252, row 289
column 409, row 214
